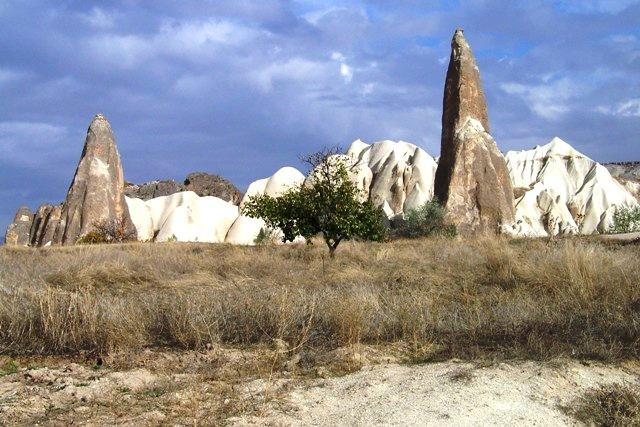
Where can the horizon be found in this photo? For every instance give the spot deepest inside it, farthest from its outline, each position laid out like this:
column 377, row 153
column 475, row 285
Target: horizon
column 209, row 84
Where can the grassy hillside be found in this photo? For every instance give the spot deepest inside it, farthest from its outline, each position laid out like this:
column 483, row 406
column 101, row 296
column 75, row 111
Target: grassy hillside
column 434, row 298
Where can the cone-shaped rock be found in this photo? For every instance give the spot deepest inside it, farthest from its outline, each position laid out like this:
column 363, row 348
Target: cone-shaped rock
column 18, row 231
column 44, row 225
column 96, row 193
column 472, row 180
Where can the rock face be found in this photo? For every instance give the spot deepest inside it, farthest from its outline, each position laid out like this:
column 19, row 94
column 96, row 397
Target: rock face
column 561, row 191
column 44, row 225
column 627, row 174
column 244, row 229
column 397, row 176
column 187, row 217
column 97, row 190
column 204, row 184
column 18, row 231
column 201, row 183
column 472, row 179
column 153, row 189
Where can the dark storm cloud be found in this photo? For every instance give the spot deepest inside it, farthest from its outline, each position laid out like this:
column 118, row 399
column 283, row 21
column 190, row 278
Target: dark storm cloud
column 242, row 87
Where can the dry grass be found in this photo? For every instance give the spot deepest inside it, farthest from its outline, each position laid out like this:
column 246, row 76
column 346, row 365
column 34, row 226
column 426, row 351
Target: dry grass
column 436, row 298
column 610, row 406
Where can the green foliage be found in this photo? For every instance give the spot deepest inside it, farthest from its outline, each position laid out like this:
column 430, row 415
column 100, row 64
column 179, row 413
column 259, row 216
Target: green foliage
column 265, row 236
column 427, row 220
column 329, row 204
column 626, row 220
column 93, row 238
column 9, row 367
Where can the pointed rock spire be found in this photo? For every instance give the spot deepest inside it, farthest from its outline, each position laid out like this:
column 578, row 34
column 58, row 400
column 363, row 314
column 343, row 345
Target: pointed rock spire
column 18, row 231
column 472, row 180
column 97, row 191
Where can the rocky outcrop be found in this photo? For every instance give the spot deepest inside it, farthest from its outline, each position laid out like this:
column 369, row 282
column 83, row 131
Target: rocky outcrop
column 187, row 217
column 472, row 180
column 44, row 225
column 201, row 183
column 396, row 176
column 563, row 192
column 627, row 174
column 204, row 184
column 153, row 189
column 97, row 190
column 18, row 231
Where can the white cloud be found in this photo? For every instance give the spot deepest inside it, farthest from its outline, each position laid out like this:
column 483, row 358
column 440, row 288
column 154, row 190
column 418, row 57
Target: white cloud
column 549, row 100
column 346, row 71
column 629, row 108
column 197, row 41
column 293, row 70
column 98, row 18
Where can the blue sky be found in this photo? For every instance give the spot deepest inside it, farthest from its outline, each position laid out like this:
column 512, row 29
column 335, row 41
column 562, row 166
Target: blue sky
column 241, row 88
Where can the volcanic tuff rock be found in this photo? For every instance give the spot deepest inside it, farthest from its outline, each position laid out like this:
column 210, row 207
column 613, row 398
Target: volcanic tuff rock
column 97, row 190
column 628, row 174
column 472, row 179
column 187, row 217
column 397, row 176
column 201, row 183
column 44, row 225
column 562, row 191
column 152, row 189
column 204, row 184
column 18, row 231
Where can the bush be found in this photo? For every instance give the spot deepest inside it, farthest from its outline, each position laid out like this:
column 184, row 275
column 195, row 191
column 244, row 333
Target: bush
column 105, row 231
column 427, row 220
column 612, row 405
column 266, row 236
column 626, row 220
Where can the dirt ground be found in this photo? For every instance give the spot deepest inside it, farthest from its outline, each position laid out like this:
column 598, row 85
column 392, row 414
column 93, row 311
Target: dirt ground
column 264, row 386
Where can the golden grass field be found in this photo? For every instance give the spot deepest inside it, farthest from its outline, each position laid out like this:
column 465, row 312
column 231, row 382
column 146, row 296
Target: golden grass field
column 438, row 298
column 148, row 334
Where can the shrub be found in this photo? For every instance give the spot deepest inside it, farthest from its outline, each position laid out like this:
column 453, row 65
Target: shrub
column 626, row 220
column 265, row 236
column 612, row 405
column 427, row 220
column 105, row 231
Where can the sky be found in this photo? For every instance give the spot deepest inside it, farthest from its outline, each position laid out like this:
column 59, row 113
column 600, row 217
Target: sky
column 241, row 88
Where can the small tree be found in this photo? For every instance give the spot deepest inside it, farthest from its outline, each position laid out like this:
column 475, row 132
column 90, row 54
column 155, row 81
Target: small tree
column 426, row 220
column 625, row 220
column 329, row 203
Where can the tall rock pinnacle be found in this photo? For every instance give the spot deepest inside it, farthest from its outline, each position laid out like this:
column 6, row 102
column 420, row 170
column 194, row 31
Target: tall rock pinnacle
column 472, row 180
column 97, row 190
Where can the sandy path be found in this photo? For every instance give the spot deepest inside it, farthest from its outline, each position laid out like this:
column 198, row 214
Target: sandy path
column 443, row 394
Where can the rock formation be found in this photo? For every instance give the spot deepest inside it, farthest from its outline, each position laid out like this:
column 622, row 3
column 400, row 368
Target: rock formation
column 97, row 190
column 152, row 189
column 187, row 217
column 204, row 184
column 201, row 183
column 18, row 231
column 44, row 225
column 627, row 174
column 562, row 191
column 471, row 180
column 397, row 176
